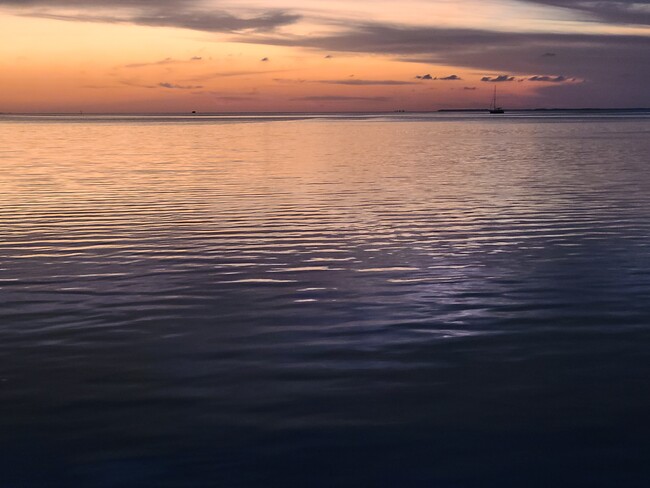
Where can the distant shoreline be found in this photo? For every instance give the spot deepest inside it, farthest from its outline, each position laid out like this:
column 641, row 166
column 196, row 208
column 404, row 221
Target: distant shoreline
column 549, row 110
column 383, row 112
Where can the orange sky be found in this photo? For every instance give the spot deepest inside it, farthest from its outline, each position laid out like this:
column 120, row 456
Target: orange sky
column 140, row 56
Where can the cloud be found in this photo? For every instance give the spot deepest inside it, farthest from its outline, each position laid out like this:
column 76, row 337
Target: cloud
column 333, row 98
column 215, row 21
column 136, row 84
column 226, row 97
column 264, row 60
column 179, row 87
column 235, row 98
column 498, row 79
column 613, row 11
column 551, row 79
column 196, row 58
column 347, row 81
column 189, row 14
column 230, row 74
column 154, row 63
column 95, row 3
column 470, row 47
column 609, row 61
column 469, row 88
column 443, row 78
column 356, row 82
column 291, row 81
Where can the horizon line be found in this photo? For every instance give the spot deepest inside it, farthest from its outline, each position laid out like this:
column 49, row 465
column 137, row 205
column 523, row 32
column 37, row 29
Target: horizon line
column 311, row 112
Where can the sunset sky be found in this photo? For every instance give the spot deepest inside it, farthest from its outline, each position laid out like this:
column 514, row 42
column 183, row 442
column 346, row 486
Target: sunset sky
column 321, row 55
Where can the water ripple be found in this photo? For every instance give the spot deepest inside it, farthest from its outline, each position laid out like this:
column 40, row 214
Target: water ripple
column 188, row 292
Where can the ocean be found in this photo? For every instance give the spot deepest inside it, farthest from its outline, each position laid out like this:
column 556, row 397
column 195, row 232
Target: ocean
column 441, row 300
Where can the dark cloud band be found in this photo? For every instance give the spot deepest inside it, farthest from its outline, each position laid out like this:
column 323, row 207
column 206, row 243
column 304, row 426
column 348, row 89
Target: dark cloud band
column 190, row 14
column 612, row 11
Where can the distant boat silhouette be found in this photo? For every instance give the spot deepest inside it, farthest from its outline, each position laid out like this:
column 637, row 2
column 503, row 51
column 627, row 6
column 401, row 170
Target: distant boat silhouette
column 494, row 109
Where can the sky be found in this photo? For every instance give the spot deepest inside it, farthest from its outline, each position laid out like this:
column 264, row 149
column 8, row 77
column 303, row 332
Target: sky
column 321, row 55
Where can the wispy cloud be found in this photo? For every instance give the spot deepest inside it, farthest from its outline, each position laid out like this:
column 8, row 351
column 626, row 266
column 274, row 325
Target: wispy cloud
column 230, row 74
column 136, row 84
column 179, row 87
column 356, row 82
column 227, row 97
column 153, row 63
column 335, row 98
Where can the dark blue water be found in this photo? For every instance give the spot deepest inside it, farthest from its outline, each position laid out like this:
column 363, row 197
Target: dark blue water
column 435, row 301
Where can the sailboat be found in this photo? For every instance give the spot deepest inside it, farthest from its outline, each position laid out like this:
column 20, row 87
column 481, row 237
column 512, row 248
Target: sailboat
column 494, row 109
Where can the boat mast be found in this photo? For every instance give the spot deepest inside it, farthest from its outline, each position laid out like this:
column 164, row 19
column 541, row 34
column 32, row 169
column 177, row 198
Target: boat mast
column 494, row 100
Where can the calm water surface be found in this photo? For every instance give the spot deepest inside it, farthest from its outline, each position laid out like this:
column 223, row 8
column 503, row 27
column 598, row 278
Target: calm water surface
column 440, row 301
